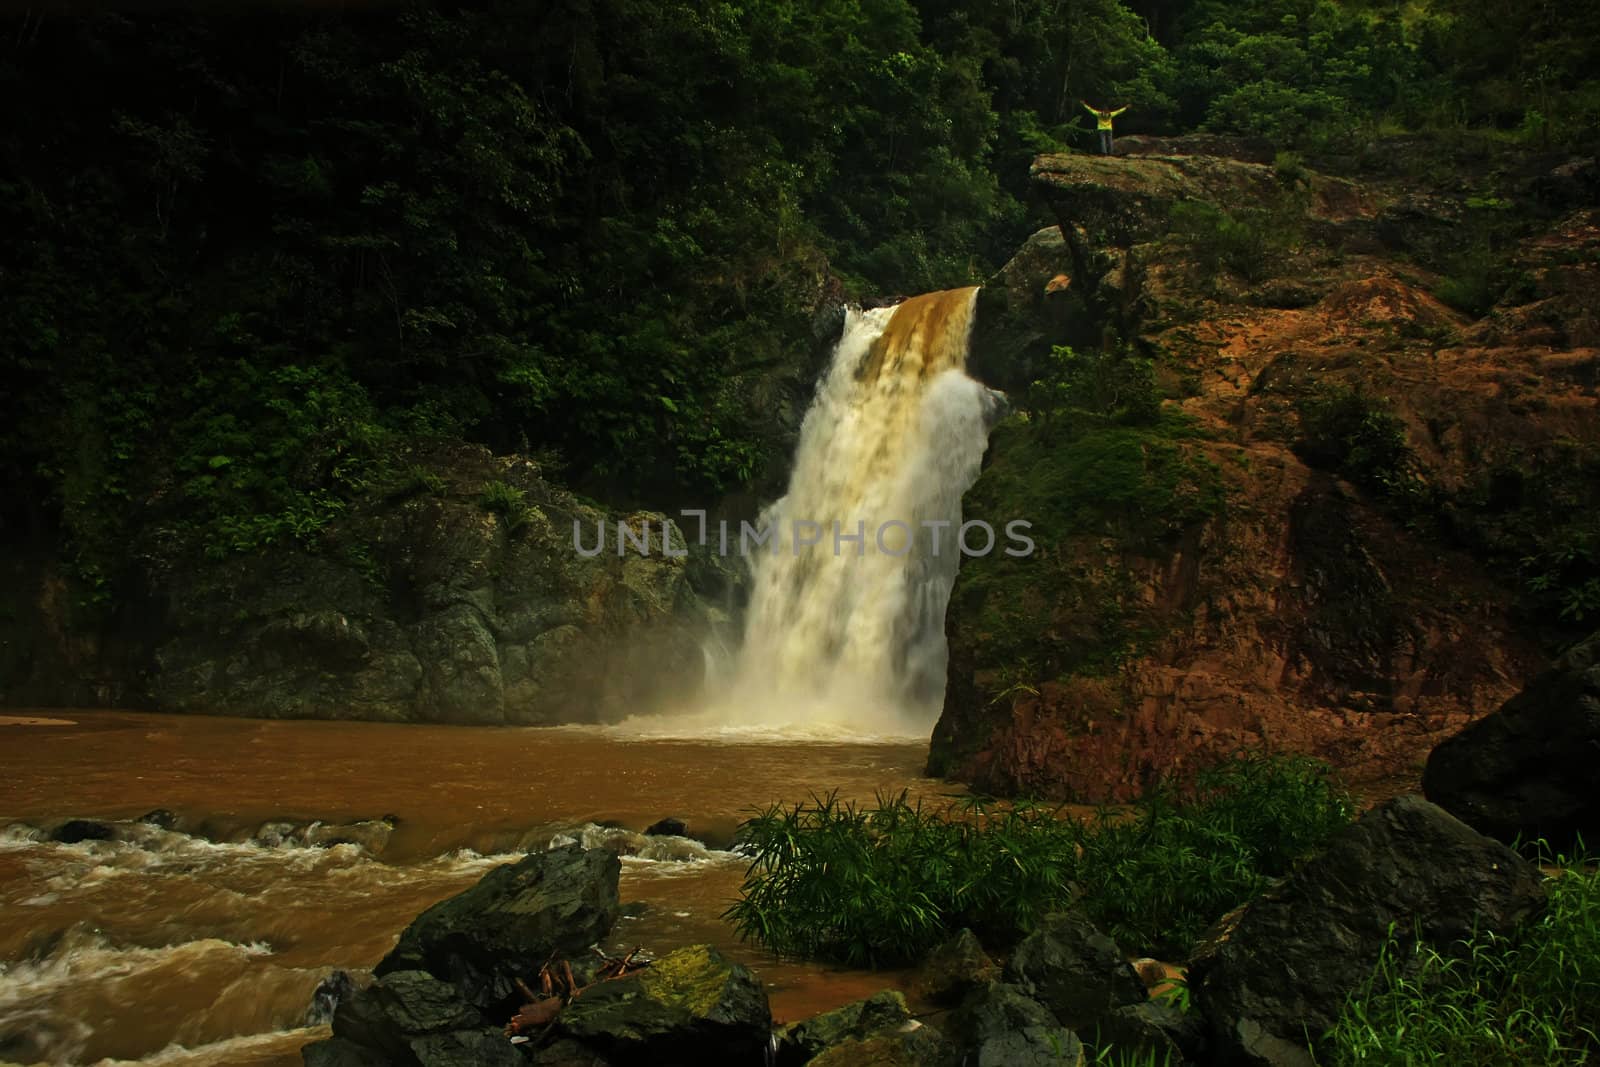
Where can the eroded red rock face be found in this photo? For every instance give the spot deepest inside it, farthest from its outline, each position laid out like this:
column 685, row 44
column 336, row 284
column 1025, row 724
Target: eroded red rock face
column 1313, row 613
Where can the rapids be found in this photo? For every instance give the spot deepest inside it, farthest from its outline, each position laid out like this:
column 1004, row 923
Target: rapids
column 203, row 944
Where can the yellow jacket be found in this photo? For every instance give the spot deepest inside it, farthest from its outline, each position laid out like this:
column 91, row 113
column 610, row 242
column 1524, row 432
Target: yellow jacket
column 1102, row 119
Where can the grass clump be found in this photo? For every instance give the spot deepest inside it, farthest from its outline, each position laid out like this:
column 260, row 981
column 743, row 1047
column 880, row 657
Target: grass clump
column 1529, row 1000
column 878, row 886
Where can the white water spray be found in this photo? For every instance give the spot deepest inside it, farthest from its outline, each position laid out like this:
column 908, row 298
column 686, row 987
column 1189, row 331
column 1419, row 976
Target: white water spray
column 847, row 634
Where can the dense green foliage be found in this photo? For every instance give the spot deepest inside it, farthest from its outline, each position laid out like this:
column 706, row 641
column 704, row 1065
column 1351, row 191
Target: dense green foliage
column 1531, row 998
column 830, row 880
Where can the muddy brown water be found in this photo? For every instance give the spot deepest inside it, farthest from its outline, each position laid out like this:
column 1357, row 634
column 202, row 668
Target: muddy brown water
column 202, row 946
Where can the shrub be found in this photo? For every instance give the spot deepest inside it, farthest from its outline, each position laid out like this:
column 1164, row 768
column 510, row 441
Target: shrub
column 1358, row 435
column 1116, row 385
column 1532, row 998
column 1242, row 243
column 828, row 880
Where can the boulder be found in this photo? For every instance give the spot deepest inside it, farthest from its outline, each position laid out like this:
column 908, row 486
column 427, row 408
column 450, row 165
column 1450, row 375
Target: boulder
column 1001, row 1026
column 668, row 827
column 954, row 969
column 397, row 1012
column 1153, row 1029
column 515, row 917
column 692, row 1006
column 1528, row 770
column 801, row 1042
column 910, row 1045
column 1279, row 978
column 1074, row 970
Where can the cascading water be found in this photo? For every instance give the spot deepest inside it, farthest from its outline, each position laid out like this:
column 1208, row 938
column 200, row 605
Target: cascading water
column 849, row 631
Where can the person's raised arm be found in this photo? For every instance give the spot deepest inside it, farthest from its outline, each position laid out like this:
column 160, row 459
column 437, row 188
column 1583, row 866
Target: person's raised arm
column 1119, row 110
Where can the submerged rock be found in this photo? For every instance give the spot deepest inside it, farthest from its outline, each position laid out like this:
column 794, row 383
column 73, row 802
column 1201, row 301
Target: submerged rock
column 160, row 818
column 1075, row 970
column 73, row 831
column 668, row 827
column 510, row 922
column 692, row 1006
column 372, row 835
column 1279, row 978
column 1528, row 770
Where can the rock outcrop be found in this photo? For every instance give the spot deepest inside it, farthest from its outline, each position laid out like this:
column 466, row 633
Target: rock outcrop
column 1528, row 771
column 456, row 594
column 1328, row 540
column 1279, row 976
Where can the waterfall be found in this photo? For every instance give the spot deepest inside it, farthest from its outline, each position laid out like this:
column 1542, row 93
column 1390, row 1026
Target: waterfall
column 850, row 632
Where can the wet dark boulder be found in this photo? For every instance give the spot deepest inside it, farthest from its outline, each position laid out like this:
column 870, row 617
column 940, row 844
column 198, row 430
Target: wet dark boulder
column 801, row 1042
column 74, row 831
column 1154, row 1029
column 411, row 1017
column 510, row 922
column 1000, row 1025
column 1528, row 769
column 692, row 1006
column 954, row 969
column 1074, row 970
column 1278, row 979
column 668, row 827
column 911, row 1045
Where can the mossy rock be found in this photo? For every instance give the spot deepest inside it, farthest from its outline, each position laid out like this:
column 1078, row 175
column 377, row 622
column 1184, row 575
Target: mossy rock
column 689, row 1007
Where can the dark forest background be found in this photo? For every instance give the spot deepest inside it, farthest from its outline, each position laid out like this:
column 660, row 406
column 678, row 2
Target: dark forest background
column 242, row 255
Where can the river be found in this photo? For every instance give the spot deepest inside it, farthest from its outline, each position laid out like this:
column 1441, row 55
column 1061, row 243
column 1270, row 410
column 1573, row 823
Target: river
column 204, row 943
